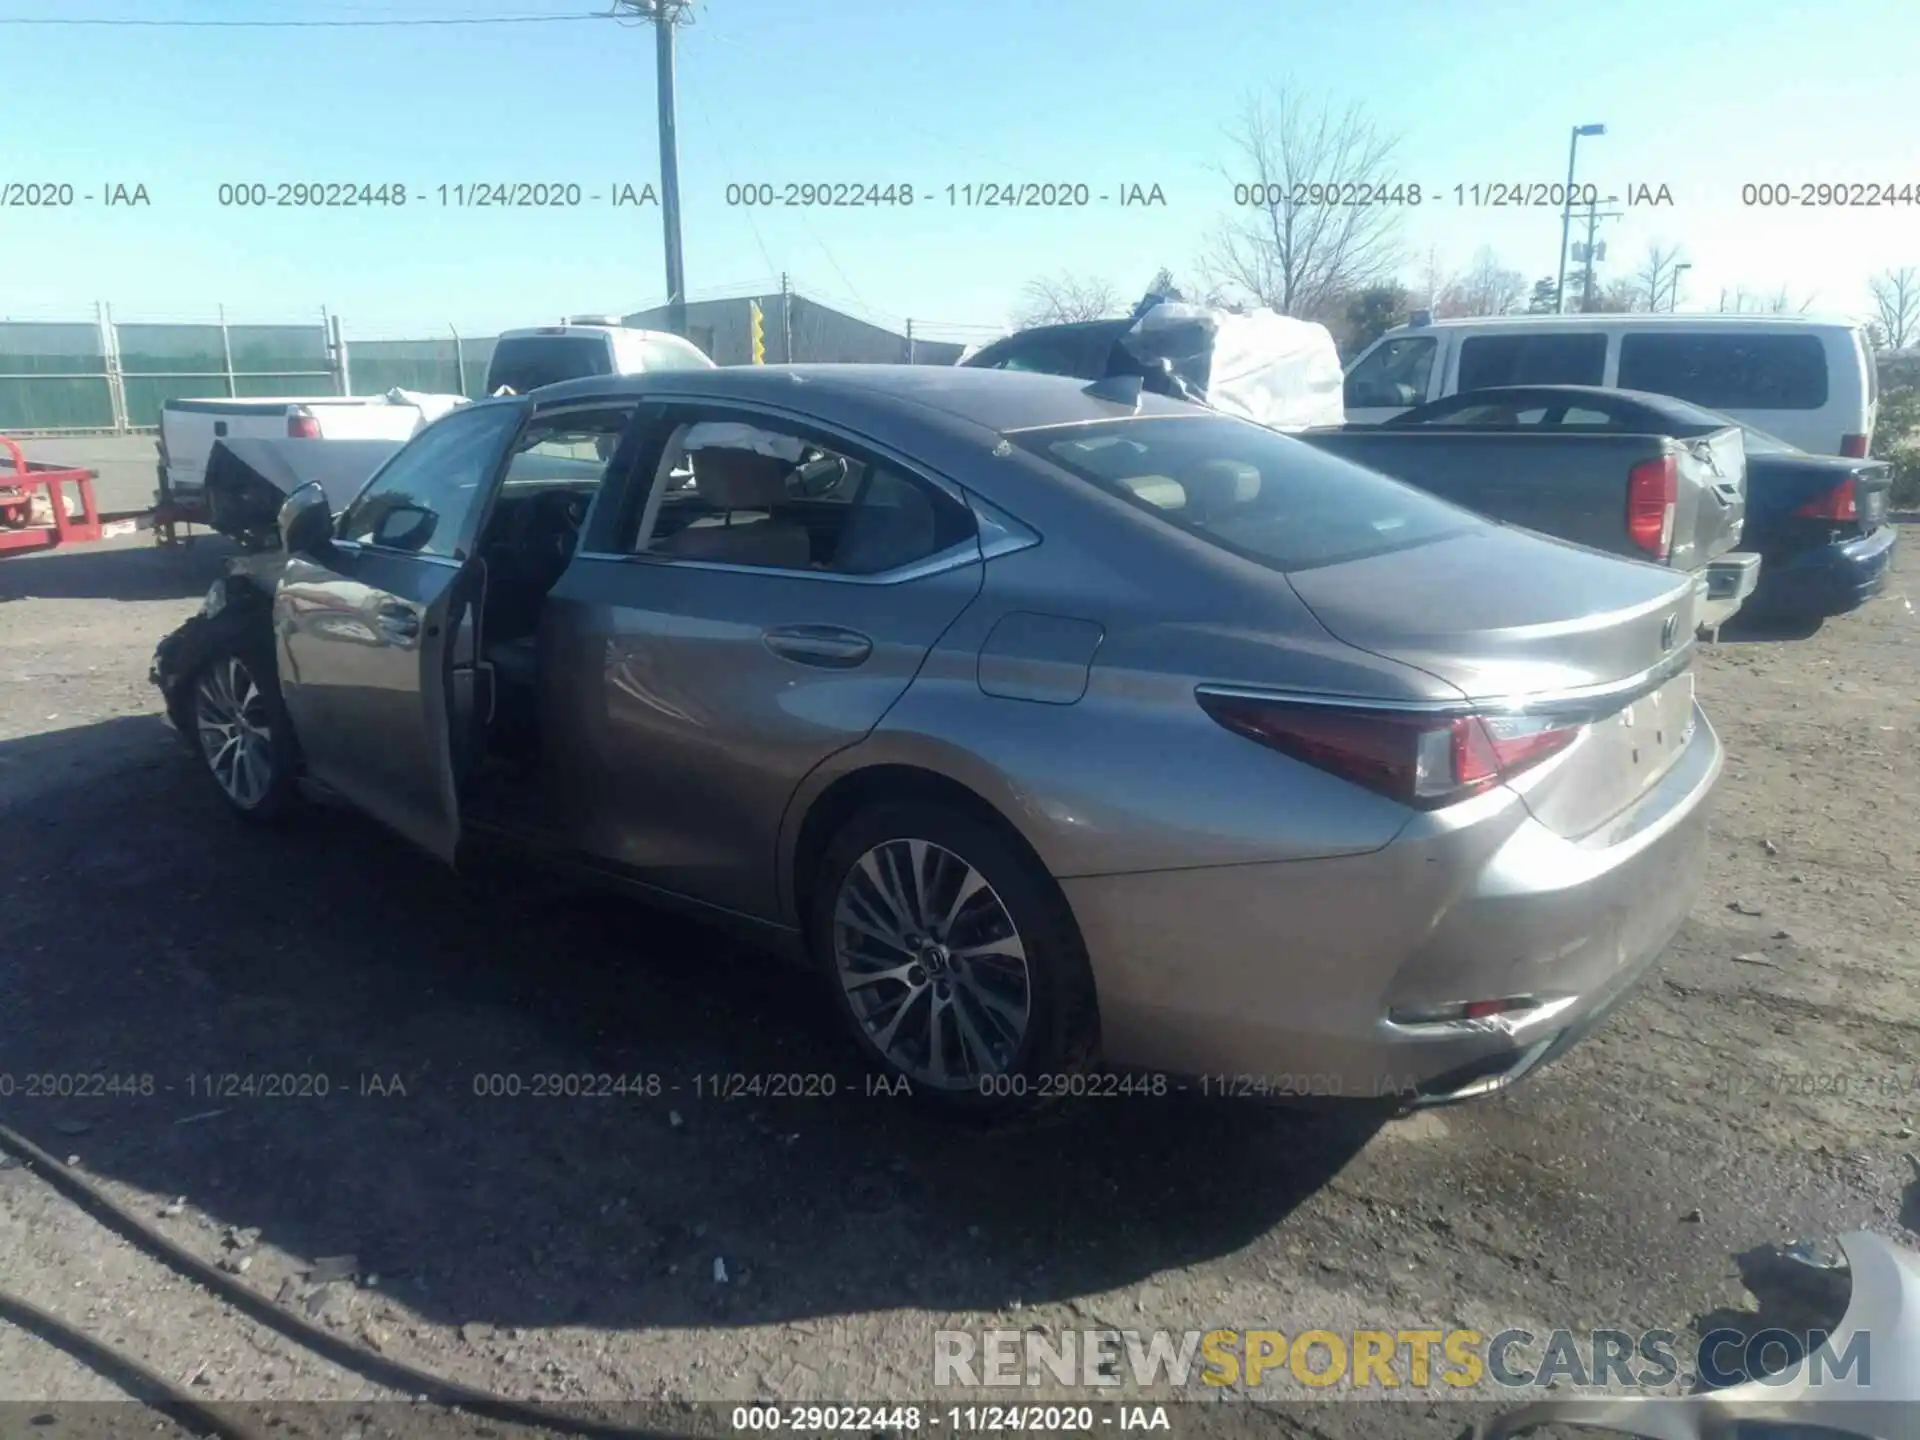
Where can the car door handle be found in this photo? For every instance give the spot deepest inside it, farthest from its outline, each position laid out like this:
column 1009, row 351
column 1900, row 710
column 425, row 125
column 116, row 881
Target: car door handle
column 830, row 646
column 399, row 621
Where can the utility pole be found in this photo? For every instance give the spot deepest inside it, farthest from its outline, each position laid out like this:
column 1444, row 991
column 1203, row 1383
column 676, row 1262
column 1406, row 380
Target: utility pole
column 1594, row 217
column 664, row 15
column 1566, row 210
column 786, row 320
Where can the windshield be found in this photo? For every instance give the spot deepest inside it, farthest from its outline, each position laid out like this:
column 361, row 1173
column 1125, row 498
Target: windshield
column 1248, row 489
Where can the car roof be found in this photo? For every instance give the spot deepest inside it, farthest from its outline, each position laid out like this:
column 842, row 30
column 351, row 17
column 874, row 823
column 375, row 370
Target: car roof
column 1603, row 396
column 528, row 331
column 1700, row 320
column 998, row 400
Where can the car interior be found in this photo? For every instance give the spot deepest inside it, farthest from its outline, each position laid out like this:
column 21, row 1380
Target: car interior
column 725, row 493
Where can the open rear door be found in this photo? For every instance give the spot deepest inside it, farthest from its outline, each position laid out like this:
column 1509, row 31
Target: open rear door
column 373, row 630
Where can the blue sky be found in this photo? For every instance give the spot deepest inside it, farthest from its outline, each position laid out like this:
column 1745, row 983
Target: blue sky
column 1698, row 95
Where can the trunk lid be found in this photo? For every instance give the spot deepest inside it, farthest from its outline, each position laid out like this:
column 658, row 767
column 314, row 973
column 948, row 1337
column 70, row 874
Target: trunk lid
column 1780, row 486
column 1508, row 617
column 1499, row 611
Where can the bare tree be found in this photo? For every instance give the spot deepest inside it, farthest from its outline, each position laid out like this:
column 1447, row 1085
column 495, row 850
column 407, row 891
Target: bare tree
column 1782, row 303
column 1616, row 297
column 1489, row 288
column 1657, row 276
column 1059, row 299
column 1896, row 295
column 1304, row 244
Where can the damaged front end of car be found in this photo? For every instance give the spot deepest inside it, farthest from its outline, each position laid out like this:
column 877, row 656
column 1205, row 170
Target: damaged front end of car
column 240, row 600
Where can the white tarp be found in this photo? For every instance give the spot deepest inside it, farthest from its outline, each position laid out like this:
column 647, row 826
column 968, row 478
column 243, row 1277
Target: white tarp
column 1277, row 370
column 1271, row 368
column 431, row 407
column 732, row 435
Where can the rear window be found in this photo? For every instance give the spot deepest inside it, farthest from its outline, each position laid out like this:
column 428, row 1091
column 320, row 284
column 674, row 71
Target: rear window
column 1250, row 490
column 1728, row 371
column 1544, row 359
column 526, row 363
column 665, row 352
column 1080, row 351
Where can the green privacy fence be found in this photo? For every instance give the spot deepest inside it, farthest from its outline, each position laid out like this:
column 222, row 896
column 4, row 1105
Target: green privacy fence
column 102, row 375
column 456, row 365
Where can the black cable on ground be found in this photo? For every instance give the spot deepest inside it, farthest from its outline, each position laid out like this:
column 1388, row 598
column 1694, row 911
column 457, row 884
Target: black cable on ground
column 123, row 1370
column 243, row 1297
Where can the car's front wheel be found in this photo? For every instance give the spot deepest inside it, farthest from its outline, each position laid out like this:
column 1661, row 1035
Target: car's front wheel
column 243, row 731
column 953, row 959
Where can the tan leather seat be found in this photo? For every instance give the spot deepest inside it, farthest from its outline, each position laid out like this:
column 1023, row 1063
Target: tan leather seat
column 742, row 480
column 1216, row 488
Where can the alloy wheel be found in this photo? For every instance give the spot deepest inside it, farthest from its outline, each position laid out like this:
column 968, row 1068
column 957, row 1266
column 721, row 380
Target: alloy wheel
column 932, row 964
column 236, row 736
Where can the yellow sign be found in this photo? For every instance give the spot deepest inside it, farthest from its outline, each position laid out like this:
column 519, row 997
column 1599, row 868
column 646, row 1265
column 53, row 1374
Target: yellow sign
column 758, row 325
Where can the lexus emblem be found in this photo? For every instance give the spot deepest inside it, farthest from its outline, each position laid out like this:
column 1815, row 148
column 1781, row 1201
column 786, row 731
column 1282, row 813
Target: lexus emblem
column 1667, row 632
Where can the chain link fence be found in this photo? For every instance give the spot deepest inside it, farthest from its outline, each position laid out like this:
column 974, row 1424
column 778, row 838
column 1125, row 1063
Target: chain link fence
column 112, row 377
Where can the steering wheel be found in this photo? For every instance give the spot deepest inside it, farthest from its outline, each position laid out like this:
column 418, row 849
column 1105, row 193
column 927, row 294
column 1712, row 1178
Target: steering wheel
column 819, row 477
column 546, row 529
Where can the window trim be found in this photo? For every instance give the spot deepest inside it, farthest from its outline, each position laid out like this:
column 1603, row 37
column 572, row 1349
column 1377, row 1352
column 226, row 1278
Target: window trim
column 475, row 519
column 657, row 418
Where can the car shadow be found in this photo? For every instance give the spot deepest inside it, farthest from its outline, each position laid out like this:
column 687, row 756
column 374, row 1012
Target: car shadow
column 133, row 568
column 520, row 1105
column 1772, row 629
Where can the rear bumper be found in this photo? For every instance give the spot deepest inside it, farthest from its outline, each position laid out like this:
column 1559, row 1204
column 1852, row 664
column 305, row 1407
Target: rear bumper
column 1282, row 980
column 1829, row 579
column 1730, row 580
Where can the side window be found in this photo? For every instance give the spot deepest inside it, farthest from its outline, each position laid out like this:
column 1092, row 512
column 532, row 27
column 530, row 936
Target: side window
column 422, row 498
column 572, row 447
column 765, row 495
column 1728, row 371
column 1545, row 359
column 1393, row 376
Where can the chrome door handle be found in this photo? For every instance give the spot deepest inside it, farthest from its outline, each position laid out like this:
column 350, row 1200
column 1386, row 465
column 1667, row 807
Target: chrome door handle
column 398, row 621
column 829, row 646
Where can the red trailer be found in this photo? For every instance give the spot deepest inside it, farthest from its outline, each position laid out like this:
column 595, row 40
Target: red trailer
column 25, row 525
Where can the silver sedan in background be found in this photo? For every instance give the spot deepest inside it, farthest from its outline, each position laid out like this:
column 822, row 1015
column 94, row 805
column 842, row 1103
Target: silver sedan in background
column 1053, row 724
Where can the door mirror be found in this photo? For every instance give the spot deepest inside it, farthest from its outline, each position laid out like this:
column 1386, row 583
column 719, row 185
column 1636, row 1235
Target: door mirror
column 306, row 520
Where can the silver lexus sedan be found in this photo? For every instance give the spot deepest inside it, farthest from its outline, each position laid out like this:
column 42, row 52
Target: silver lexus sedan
column 1073, row 735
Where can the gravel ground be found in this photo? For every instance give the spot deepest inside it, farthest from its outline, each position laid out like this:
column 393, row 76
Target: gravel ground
column 1763, row 1085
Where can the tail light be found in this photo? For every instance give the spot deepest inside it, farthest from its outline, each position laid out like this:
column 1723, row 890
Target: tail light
column 301, row 424
column 1417, row 758
column 1838, row 503
column 1653, row 489
column 1854, row 447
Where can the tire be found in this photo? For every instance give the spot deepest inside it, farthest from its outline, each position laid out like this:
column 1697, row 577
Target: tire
column 987, row 1067
column 254, row 764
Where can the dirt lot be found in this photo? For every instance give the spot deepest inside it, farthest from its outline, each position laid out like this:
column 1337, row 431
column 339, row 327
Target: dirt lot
column 1762, row 1086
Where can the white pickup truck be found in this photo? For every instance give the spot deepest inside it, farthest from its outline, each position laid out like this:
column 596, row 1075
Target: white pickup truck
column 189, row 428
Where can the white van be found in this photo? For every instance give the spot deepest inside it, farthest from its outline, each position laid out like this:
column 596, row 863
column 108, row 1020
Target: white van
column 1809, row 381
column 525, row 360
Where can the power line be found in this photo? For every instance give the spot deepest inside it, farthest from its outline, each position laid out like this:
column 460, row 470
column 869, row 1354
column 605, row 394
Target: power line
column 98, row 20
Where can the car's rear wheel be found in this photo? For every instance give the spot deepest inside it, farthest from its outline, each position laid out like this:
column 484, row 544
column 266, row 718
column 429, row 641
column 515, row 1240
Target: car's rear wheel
column 953, row 959
column 245, row 735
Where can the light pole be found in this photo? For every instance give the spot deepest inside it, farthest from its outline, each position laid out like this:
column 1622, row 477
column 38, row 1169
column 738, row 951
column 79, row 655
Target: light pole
column 1566, row 212
column 1673, row 303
